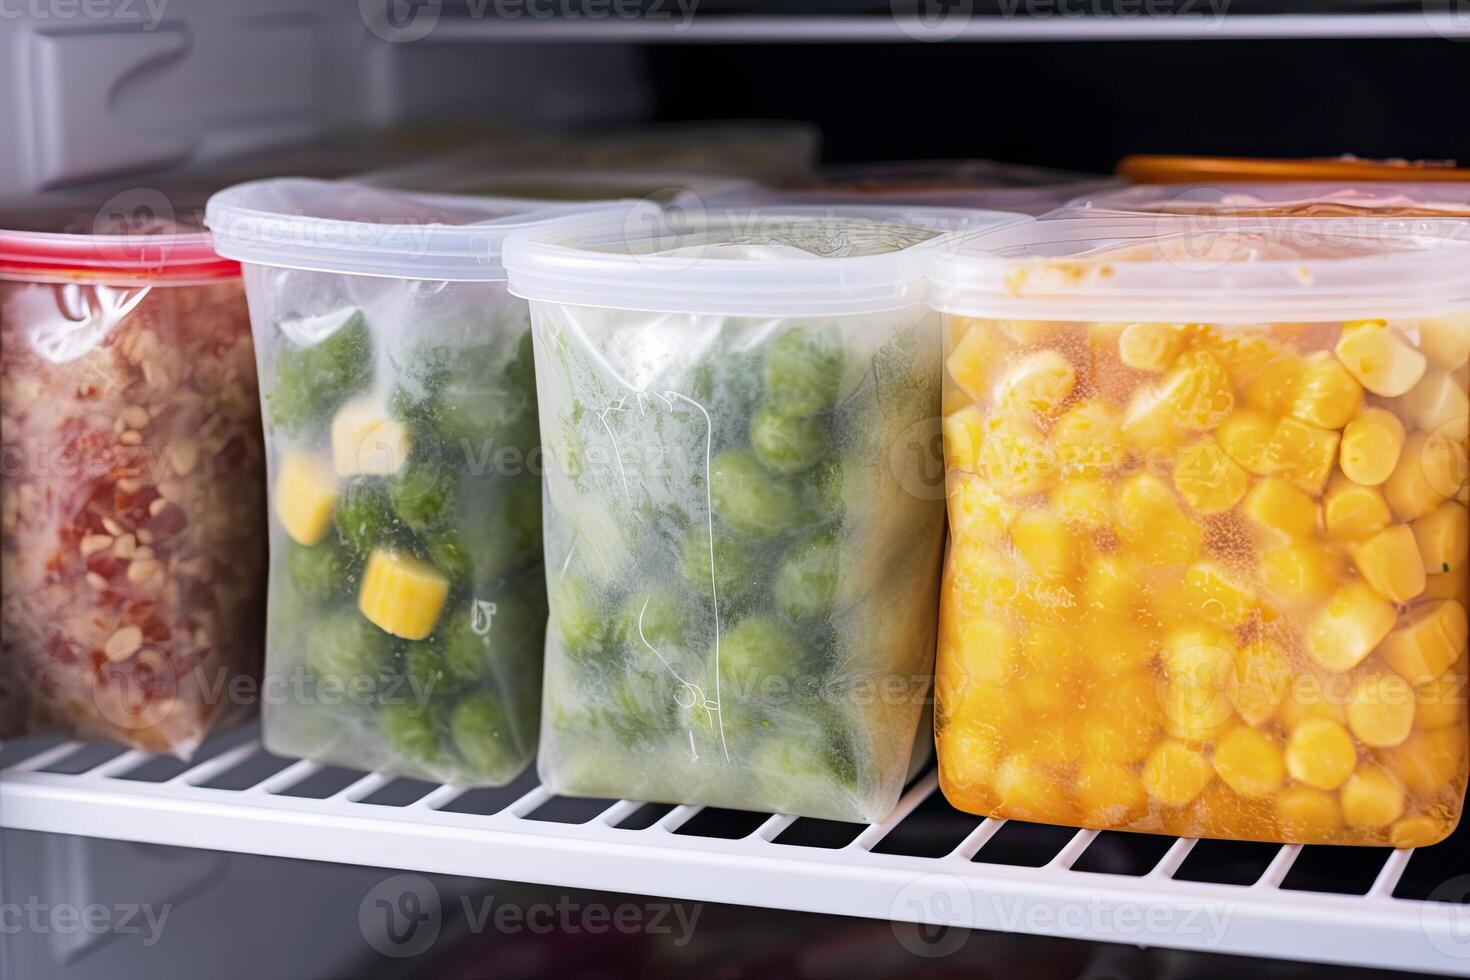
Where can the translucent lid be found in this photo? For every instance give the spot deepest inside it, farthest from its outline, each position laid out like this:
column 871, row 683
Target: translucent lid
column 1193, row 170
column 1224, row 271
column 336, row 226
column 452, row 176
column 1320, row 199
column 739, row 262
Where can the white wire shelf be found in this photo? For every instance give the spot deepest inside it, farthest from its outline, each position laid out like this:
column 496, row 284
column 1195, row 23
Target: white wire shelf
column 926, row 863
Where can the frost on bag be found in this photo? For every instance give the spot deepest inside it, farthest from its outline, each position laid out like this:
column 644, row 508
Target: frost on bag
column 133, row 549
column 407, row 600
column 741, row 572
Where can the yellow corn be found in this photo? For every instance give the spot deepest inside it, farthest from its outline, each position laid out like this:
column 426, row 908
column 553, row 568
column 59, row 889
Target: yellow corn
column 1430, row 761
column 1277, row 506
column 978, row 514
column 967, row 758
column 1084, row 501
column 964, row 434
column 979, row 354
column 1110, row 586
column 1310, row 695
column 402, row 595
column 1390, row 562
column 1303, row 453
column 953, row 400
column 1025, row 790
column 1037, row 382
column 1195, row 711
column 1151, row 346
column 1327, row 396
column 1274, row 387
column 1320, row 753
column 1301, row 571
column 1418, row 831
column 1151, row 522
column 1207, row 478
column 1088, row 439
column 1441, row 702
column 1016, row 459
column 1199, row 653
column 1438, row 400
column 365, row 441
column 1352, row 512
column 1047, row 546
column 1194, row 396
column 1347, row 629
column 1249, row 762
column 1380, row 710
column 1427, row 642
column 1446, row 339
column 1244, row 354
column 1176, row 773
column 1382, row 361
column 1218, row 595
column 1443, row 535
column 1124, row 722
column 1110, row 795
column 984, row 651
column 1246, row 438
column 1418, row 483
column 1259, row 679
column 306, row 493
column 1308, row 814
column 1370, row 446
column 1371, row 798
column 1029, row 331
column 1449, row 585
column 1445, row 463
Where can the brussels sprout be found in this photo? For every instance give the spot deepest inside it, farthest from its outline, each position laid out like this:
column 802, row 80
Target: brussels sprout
column 829, row 483
column 803, row 374
column 521, row 372
column 579, row 622
column 749, row 498
column 787, row 443
column 320, row 572
column 412, row 732
column 799, row 767
column 466, row 652
column 427, row 668
column 291, row 399
column 422, row 494
column 364, row 516
column 735, row 567
column 655, row 618
column 806, row 582
column 482, row 733
column 507, row 534
column 310, row 381
column 757, row 658
column 344, row 647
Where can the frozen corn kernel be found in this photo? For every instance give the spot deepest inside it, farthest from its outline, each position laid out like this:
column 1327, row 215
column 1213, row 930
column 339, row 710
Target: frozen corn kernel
column 1052, row 650
column 968, row 759
column 1370, row 446
column 1196, row 710
column 1441, row 702
column 1419, row 483
column 365, row 441
column 1209, row 479
column 1320, row 753
column 1446, row 339
column 1447, row 585
column 1438, row 400
column 402, row 595
column 1111, row 586
column 1246, row 438
column 1371, row 798
column 1427, row 642
column 964, row 434
column 1380, row 710
column 1026, row 791
column 1301, row 571
column 1382, row 360
column 984, row 651
column 1045, row 698
column 1390, row 562
column 977, row 358
column 1443, row 535
column 1016, row 458
column 1153, row 525
column 1308, row 814
column 1259, row 679
column 306, row 493
column 1352, row 512
column 1244, row 354
column 1327, row 396
column 1048, row 547
column 1429, row 761
column 1109, row 794
column 1088, row 439
column 1151, row 346
column 1277, row 506
column 1347, row 629
column 1176, row 773
column 1274, row 387
column 953, row 400
column 1249, row 762
column 1218, row 595
column 1446, row 465
column 1418, row 831
column 1302, row 453
column 1199, row 652
column 1311, row 696
column 977, row 513
column 1037, row 382
column 1124, row 721
column 1025, row 332
column 1057, row 745
column 1194, row 396
column 1085, row 502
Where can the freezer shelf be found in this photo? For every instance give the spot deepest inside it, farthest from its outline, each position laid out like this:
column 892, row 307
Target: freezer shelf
column 925, row 863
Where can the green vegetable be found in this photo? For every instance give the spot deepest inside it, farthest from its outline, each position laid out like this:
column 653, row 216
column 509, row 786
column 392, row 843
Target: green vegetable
column 758, row 657
column 482, row 734
column 507, row 534
column 797, row 763
column 803, row 374
column 806, row 583
column 344, row 647
column 735, row 567
column 412, row 732
column 427, row 668
column 321, row 572
column 656, row 618
column 422, row 494
column 364, row 516
column 579, row 622
column 310, row 381
column 749, row 498
column 787, row 443
column 447, row 554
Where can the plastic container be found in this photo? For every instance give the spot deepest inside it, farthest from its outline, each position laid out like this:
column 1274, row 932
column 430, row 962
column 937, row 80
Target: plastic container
column 133, row 556
column 407, row 603
column 457, row 176
column 1207, row 563
column 1402, row 201
column 742, row 550
column 1144, row 169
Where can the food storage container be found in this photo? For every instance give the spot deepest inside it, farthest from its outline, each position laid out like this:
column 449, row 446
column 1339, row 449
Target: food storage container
column 407, row 603
column 1406, row 201
column 451, row 176
column 742, row 548
column 1147, row 169
column 1208, row 537
column 133, row 554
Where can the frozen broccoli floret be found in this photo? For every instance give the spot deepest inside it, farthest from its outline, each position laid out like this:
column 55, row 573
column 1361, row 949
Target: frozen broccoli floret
column 806, row 583
column 735, row 568
column 483, row 735
column 321, row 572
column 427, row 668
column 448, row 554
column 364, row 516
column 803, row 374
column 787, row 443
column 422, row 494
column 751, row 499
column 310, row 381
column 291, row 399
column 466, row 652
column 412, row 731
column 655, row 618
column 580, row 623
column 345, row 648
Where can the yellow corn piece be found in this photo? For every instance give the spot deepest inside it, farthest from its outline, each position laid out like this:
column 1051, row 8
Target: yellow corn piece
column 1244, row 354
column 1246, row 438
column 1207, row 478
column 1449, row 585
column 402, row 595
column 1016, row 458
column 1199, row 653
column 1109, row 794
column 1249, row 762
column 983, row 650
column 977, row 358
column 1111, row 586
column 1446, row 464
column 1310, row 695
column 976, row 512
column 1371, row 798
column 1441, row 702
column 1152, row 524
column 1301, row 571
column 967, row 759
column 1038, row 382
column 1347, row 629
column 1420, row 481
column 1151, row 346
column 1123, row 722
column 1303, row 453
column 1438, row 400
column 1418, row 831
column 1025, row 332
column 1370, row 446
column 1218, row 595
column 1277, row 506
column 1259, row 679
column 1026, row 792
column 1320, row 753
column 1443, row 535
column 1176, row 773
column 1352, row 512
column 1274, row 387
column 953, row 400
column 1380, row 710
column 1195, row 712
column 1308, row 814
column 1326, row 396
column 1428, row 641
column 1194, row 396
column 1084, row 501
column 365, row 441
column 964, row 434
column 1390, row 562
column 306, row 493
column 1088, row 440
column 1430, row 761
column 1382, row 361
column 1048, row 547
column 1446, row 339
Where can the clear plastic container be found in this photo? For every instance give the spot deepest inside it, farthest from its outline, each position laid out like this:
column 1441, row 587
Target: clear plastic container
column 1208, row 535
column 742, row 548
column 407, row 601
column 1293, row 199
column 463, row 176
column 133, row 554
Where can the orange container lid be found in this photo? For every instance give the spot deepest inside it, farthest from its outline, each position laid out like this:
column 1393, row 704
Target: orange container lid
column 1142, row 169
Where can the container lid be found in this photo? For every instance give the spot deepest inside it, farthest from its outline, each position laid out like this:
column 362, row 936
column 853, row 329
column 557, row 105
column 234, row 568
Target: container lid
column 1175, row 269
column 451, row 176
column 1308, row 199
column 784, row 261
column 1194, row 170
column 342, row 227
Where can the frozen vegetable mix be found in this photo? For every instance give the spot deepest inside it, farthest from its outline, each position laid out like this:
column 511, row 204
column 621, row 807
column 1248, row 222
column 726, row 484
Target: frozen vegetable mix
column 1208, row 529
column 132, row 559
column 742, row 552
